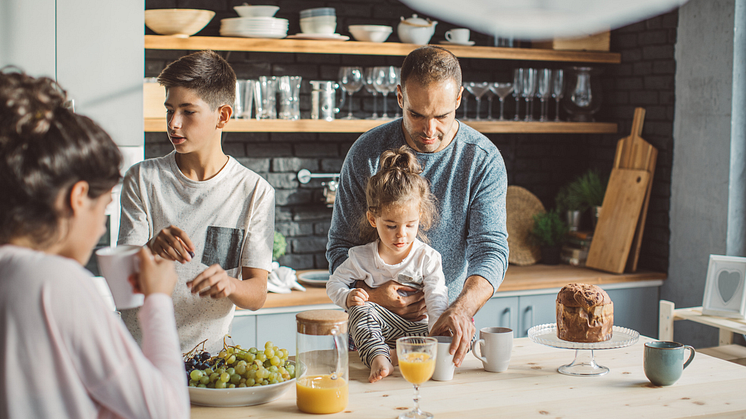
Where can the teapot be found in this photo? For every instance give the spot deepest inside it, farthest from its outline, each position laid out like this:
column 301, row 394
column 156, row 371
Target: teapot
column 416, row 30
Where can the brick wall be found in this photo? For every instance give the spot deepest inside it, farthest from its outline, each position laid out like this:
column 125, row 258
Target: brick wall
column 540, row 163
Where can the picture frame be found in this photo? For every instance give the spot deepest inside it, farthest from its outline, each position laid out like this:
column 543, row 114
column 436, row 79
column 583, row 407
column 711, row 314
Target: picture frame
column 725, row 289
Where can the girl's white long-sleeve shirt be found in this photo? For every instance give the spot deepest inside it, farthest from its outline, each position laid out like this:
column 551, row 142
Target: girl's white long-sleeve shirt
column 64, row 354
column 422, row 267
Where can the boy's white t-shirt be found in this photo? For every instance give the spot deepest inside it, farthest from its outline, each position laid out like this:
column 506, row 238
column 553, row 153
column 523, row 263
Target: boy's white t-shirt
column 230, row 220
column 422, row 268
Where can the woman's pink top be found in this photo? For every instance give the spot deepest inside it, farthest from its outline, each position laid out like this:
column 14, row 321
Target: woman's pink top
column 64, row 354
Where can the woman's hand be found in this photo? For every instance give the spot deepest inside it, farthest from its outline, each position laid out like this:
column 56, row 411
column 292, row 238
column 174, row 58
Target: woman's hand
column 156, row 275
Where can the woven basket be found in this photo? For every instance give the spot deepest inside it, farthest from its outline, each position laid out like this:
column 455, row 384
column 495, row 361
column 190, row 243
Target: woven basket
column 520, row 207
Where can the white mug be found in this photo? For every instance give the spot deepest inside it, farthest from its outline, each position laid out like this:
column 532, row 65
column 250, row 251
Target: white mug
column 495, row 344
column 444, row 365
column 458, row 36
column 116, row 265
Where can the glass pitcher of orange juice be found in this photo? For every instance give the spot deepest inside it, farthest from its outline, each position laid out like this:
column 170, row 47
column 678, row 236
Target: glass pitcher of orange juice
column 321, row 361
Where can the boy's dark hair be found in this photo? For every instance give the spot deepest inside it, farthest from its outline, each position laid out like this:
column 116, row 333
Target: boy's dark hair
column 45, row 148
column 398, row 182
column 430, row 64
column 205, row 72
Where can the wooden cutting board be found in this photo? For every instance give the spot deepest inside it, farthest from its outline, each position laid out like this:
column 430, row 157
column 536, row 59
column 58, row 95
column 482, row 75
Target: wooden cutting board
column 620, row 212
column 633, row 152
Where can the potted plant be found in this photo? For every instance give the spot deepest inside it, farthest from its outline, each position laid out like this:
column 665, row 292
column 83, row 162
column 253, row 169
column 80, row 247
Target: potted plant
column 592, row 189
column 279, row 246
column 549, row 232
column 570, row 203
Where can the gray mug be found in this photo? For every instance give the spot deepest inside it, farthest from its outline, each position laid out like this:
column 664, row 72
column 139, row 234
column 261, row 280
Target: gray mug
column 664, row 361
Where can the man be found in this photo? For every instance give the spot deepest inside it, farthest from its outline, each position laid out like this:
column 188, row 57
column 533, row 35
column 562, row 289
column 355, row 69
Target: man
column 468, row 177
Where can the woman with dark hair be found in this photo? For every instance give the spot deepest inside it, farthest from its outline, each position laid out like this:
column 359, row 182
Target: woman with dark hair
column 63, row 353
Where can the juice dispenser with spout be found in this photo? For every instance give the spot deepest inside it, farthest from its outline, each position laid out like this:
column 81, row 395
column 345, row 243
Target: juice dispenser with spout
column 321, row 361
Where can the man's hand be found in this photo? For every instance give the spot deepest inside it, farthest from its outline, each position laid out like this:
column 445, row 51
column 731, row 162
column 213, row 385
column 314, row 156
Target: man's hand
column 454, row 322
column 213, row 282
column 357, row 297
column 407, row 302
column 172, row 243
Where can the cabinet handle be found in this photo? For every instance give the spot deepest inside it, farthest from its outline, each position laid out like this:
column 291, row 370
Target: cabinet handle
column 510, row 317
column 531, row 323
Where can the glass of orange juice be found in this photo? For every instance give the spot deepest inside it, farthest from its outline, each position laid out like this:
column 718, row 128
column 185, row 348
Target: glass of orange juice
column 416, row 362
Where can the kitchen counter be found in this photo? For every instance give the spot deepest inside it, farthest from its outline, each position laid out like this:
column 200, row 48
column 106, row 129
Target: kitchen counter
column 517, row 278
column 532, row 387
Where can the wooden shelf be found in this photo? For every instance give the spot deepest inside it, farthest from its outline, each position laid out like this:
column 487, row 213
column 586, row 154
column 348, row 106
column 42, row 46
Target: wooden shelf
column 362, row 125
column 220, row 43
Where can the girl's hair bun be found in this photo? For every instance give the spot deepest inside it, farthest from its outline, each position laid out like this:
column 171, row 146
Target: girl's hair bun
column 28, row 105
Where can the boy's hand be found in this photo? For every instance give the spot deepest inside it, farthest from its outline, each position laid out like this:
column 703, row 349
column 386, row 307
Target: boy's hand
column 213, row 281
column 172, row 243
column 357, row 297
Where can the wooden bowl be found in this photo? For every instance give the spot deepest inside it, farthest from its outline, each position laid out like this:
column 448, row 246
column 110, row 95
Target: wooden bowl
column 181, row 23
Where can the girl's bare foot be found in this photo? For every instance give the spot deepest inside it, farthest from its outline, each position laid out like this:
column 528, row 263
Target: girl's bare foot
column 379, row 368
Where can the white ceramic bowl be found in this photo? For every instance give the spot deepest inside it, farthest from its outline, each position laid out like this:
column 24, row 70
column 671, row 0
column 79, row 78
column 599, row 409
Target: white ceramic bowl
column 370, row 33
column 181, row 23
column 256, row 10
column 319, row 25
column 244, row 396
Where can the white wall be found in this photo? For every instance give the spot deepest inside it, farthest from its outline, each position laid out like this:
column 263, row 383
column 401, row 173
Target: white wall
column 707, row 176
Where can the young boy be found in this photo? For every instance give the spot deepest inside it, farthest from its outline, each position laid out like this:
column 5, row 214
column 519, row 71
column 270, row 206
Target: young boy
column 200, row 207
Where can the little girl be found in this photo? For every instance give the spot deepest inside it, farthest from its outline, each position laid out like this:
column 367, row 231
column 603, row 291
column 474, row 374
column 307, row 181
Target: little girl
column 399, row 203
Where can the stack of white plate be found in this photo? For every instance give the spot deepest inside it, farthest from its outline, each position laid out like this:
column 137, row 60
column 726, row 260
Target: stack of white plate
column 254, row 27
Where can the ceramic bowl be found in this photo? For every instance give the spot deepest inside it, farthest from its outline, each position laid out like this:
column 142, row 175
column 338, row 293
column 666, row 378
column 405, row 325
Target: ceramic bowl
column 233, row 397
column 181, row 23
column 319, row 24
column 370, row 33
column 256, row 10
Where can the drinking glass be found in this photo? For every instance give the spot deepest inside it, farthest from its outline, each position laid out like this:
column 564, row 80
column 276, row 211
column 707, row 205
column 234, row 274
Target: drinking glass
column 502, row 90
column 517, row 87
column 398, row 82
column 478, row 89
column 385, row 82
column 368, row 84
column 351, row 79
column 289, row 87
column 417, row 363
column 544, row 91
column 528, row 90
column 464, row 101
column 490, row 95
column 558, row 87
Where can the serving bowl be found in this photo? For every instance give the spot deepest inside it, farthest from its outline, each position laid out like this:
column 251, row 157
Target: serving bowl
column 181, row 23
column 239, row 396
column 318, row 24
column 246, row 10
column 370, row 33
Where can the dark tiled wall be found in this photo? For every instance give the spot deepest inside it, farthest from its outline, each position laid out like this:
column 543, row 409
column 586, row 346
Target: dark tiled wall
column 540, row 163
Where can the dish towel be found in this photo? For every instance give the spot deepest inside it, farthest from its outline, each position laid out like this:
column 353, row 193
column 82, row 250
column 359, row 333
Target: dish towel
column 282, row 280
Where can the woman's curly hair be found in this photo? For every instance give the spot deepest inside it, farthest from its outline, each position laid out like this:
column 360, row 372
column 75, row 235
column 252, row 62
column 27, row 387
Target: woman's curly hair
column 45, row 148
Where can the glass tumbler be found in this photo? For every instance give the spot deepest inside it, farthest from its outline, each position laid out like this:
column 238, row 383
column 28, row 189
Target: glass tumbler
column 289, row 87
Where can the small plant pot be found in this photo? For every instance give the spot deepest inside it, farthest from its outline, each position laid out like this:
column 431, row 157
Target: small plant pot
column 550, row 255
column 573, row 219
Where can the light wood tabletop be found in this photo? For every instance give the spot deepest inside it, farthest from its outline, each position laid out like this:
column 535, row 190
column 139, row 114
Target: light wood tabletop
column 532, row 388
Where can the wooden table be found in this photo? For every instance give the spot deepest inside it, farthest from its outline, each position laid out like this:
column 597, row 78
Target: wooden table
column 532, row 387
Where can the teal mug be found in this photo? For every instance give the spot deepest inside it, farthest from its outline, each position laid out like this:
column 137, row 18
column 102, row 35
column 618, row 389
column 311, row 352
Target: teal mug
column 664, row 361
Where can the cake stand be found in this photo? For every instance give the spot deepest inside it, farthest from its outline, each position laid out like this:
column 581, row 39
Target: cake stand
column 584, row 363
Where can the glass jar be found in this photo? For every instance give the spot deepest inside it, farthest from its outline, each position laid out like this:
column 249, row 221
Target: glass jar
column 321, row 361
column 583, row 96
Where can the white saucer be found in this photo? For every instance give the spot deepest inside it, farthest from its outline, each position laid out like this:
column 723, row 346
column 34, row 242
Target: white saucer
column 467, row 44
column 314, row 278
column 320, row 36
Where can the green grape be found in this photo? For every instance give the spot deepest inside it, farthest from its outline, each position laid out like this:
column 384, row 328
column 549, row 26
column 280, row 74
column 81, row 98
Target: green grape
column 214, row 376
column 269, row 352
column 222, row 354
column 204, row 380
column 253, row 350
column 274, row 361
column 284, row 353
column 235, row 378
column 261, row 356
column 250, row 382
column 231, row 386
column 269, row 344
column 273, row 368
column 229, row 350
column 276, row 349
column 267, row 363
column 196, row 375
column 242, row 385
column 224, row 377
column 200, row 385
column 231, row 371
column 250, row 357
column 220, row 384
column 241, row 368
column 192, row 383
column 231, row 360
column 220, row 370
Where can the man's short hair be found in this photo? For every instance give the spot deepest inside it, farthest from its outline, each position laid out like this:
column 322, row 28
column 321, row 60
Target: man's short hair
column 430, row 64
column 206, row 73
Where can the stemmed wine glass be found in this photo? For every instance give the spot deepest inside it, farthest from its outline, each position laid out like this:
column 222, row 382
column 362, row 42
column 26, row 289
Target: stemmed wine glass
column 502, row 90
column 558, row 88
column 517, row 88
column 528, row 91
column 417, row 363
column 368, row 84
column 478, row 89
column 398, row 81
column 385, row 81
column 464, row 101
column 544, row 91
column 351, row 79
column 490, row 96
